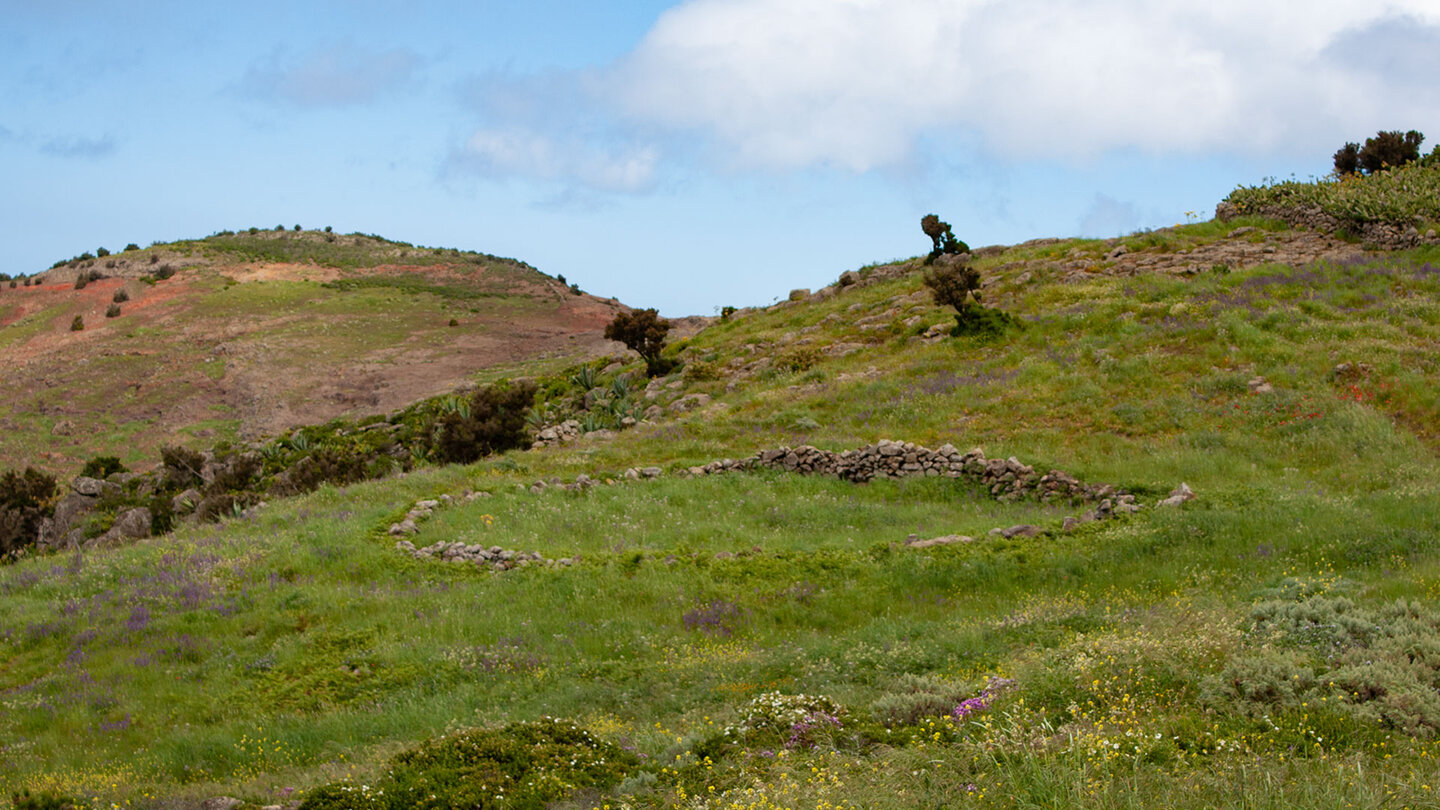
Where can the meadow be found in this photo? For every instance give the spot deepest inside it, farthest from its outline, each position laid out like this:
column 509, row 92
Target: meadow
column 768, row 640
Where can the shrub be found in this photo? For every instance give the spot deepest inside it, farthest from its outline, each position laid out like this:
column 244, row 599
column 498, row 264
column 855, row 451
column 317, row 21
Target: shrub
column 493, row 423
column 131, row 246
column 102, row 467
column 182, row 467
column 44, row 800
column 327, row 229
column 726, row 313
column 297, row 228
column 279, row 227
column 1387, row 150
column 253, row 230
column 454, row 322
column 120, row 296
column 78, row 325
column 943, row 240
column 81, row 280
column 643, row 331
column 25, row 500
column 164, row 271
column 112, row 311
column 101, row 252
column 530, row 765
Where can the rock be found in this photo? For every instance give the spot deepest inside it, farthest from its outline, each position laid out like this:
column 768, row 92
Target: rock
column 406, row 526
column 1241, row 231
column 1258, row 385
column 88, row 486
column 185, row 502
column 651, row 472
column 943, row 540
column 220, row 803
column 1179, row 495
column 132, row 524
column 1023, row 530
column 689, row 402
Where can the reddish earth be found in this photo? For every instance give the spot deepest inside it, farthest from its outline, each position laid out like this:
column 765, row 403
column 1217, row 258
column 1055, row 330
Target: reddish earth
column 126, row 385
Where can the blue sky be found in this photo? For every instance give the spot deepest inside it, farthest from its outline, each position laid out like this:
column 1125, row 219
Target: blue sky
column 682, row 155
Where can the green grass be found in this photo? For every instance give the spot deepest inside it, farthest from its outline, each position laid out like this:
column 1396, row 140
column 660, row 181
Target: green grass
column 267, row 656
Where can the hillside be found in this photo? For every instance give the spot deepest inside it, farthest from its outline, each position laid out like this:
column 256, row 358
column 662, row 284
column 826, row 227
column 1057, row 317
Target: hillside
column 845, row 559
column 249, row 334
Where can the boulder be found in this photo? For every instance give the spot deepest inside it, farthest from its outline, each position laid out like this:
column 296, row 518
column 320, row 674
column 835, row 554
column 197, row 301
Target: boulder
column 132, row 524
column 83, row 485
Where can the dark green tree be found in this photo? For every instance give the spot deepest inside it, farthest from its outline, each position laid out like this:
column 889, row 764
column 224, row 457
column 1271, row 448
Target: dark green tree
column 643, row 331
column 1387, row 150
column 942, row 238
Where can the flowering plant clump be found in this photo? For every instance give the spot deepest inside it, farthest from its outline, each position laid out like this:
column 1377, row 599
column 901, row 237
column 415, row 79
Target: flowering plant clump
column 982, row 701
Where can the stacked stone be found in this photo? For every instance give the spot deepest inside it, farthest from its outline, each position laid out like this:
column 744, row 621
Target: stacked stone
column 1006, row 479
column 495, row 557
column 567, row 431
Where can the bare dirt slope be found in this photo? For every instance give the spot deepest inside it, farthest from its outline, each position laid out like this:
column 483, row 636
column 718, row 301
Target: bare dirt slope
column 234, row 348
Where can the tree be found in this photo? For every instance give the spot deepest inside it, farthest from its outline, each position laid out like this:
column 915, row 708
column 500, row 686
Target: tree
column 941, row 237
column 1387, row 150
column 643, row 331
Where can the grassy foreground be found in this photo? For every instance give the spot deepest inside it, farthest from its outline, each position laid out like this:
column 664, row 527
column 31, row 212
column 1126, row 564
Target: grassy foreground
column 764, row 641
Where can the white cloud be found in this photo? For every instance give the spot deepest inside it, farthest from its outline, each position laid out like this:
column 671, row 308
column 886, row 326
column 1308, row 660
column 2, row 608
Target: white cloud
column 855, row 83
column 518, row 152
column 339, row 75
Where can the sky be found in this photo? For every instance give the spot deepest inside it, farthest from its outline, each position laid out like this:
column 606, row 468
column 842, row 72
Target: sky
column 681, row 155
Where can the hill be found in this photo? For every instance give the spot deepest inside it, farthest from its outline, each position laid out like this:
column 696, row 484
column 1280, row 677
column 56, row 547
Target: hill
column 244, row 335
column 844, row 560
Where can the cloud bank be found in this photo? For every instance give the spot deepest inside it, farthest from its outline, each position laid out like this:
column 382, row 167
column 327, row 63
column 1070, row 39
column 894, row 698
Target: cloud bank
column 859, row 85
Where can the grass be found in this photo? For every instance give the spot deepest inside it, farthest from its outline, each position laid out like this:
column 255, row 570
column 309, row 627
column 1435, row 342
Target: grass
column 268, row 656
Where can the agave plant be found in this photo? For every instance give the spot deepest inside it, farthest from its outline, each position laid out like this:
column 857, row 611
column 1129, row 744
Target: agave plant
column 620, row 388
column 584, row 378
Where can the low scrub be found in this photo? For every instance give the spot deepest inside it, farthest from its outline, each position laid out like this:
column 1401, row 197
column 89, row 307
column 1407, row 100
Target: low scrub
column 523, row 765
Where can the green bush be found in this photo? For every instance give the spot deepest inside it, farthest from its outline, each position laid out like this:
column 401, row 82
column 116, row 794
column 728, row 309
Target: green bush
column 120, row 296
column 78, row 325
column 181, row 467
column 44, row 800
column 492, row 422
column 26, row 499
column 81, row 280
column 163, row 272
column 112, row 311
column 1377, row 666
column 914, row 698
column 102, row 467
column 523, row 765
column 131, row 246
column 101, row 252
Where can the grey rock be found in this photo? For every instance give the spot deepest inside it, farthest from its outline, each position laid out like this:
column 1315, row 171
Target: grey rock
column 220, row 803
column 132, row 524
column 1023, row 530
column 91, row 487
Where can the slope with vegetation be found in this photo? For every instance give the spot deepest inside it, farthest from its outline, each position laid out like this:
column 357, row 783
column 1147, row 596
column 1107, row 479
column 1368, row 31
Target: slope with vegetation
column 771, row 639
column 243, row 335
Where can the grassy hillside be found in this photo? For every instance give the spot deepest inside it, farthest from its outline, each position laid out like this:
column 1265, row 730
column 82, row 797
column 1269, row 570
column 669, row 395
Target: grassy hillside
column 767, row 639
column 242, row 335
